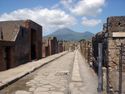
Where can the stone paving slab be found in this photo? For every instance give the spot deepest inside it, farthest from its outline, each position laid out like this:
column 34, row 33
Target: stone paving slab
column 50, row 79
column 13, row 74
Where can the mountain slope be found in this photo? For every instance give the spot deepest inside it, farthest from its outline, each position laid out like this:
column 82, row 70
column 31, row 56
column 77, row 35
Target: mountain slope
column 68, row 34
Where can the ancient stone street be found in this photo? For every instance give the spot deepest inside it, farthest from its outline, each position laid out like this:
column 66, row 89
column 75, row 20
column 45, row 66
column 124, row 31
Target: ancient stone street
column 69, row 74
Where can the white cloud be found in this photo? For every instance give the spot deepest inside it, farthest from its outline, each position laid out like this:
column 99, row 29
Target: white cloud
column 50, row 19
column 66, row 1
column 64, row 4
column 90, row 22
column 81, row 7
column 87, row 7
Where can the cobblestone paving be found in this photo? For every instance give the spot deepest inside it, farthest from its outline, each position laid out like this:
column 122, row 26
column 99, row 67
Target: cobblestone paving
column 52, row 79
column 69, row 74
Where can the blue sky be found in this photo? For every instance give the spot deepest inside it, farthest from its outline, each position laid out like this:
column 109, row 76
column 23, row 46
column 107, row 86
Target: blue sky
column 79, row 15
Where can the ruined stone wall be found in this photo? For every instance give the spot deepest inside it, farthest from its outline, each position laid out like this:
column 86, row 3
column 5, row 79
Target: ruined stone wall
column 69, row 45
column 18, row 51
column 43, row 50
column 2, row 63
column 50, row 46
column 23, row 43
column 86, row 50
column 60, row 46
column 22, row 47
column 115, row 24
column 111, row 38
column 53, row 45
column 7, row 57
column 29, row 25
column 98, row 38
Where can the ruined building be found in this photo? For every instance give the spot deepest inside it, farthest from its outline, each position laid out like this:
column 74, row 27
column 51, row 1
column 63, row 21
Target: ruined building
column 69, row 45
column 60, row 46
column 112, row 37
column 115, row 35
column 50, row 46
column 86, row 49
column 20, row 42
column 45, row 48
column 53, row 45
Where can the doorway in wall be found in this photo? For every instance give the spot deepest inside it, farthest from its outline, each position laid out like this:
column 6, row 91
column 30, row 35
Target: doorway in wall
column 33, row 44
column 7, row 57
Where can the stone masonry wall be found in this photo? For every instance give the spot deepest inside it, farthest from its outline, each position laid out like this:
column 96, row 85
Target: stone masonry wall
column 115, row 24
column 111, row 37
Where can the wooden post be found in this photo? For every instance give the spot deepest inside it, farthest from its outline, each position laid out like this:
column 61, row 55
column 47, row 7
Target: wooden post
column 100, row 75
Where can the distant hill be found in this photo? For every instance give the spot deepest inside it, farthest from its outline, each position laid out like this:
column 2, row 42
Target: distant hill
column 68, row 34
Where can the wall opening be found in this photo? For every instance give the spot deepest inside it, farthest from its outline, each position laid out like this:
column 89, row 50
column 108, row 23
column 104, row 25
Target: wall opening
column 47, row 51
column 33, row 44
column 7, row 57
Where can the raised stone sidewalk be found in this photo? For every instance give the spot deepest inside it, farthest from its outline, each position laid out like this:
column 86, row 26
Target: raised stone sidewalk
column 11, row 75
column 84, row 80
